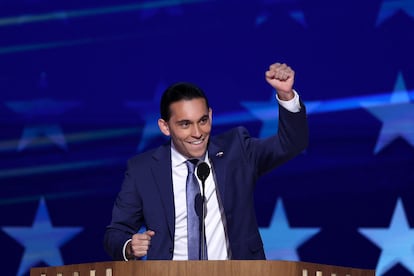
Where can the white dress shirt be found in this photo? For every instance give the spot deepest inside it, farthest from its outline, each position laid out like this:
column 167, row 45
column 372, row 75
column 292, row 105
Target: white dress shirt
column 215, row 234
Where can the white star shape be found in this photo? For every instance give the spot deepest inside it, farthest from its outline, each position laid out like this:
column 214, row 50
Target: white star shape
column 396, row 242
column 396, row 116
column 42, row 240
column 280, row 240
column 390, row 7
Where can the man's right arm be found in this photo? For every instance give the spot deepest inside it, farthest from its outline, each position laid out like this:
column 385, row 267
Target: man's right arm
column 137, row 246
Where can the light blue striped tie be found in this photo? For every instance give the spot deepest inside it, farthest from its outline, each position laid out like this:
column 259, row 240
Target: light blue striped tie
column 193, row 221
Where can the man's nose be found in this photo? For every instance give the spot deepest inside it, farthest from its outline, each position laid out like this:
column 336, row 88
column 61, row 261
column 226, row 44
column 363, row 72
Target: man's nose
column 196, row 131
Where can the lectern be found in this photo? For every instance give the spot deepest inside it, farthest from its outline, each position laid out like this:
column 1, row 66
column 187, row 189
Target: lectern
column 200, row 268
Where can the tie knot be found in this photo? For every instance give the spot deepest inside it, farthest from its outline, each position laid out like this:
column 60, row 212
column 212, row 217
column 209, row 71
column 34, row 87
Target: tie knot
column 191, row 164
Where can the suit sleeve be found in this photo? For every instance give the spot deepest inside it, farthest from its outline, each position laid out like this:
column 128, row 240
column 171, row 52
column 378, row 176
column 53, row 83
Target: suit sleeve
column 127, row 217
column 291, row 139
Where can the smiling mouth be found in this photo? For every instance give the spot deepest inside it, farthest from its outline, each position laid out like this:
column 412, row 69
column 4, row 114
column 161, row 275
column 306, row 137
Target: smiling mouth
column 197, row 142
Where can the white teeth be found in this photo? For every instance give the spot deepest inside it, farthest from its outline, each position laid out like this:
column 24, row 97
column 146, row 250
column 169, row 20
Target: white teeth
column 196, row 142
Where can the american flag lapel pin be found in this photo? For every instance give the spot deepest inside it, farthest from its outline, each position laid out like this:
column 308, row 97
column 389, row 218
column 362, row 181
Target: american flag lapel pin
column 219, row 154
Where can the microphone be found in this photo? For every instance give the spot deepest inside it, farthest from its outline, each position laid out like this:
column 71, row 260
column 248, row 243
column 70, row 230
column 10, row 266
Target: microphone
column 203, row 171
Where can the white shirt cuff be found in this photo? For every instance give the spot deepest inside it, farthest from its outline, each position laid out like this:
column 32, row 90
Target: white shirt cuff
column 124, row 249
column 292, row 105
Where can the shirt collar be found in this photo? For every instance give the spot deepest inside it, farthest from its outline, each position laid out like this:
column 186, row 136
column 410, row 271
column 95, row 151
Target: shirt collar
column 178, row 159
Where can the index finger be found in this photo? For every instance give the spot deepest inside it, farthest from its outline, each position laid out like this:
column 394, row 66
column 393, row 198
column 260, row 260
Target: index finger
column 275, row 66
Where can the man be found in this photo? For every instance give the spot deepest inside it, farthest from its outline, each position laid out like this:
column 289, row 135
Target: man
column 153, row 193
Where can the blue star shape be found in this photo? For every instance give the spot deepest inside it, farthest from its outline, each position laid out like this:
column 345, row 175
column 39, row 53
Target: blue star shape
column 295, row 14
column 390, row 7
column 174, row 9
column 268, row 113
column 147, row 111
column 42, row 240
column 280, row 240
column 38, row 114
column 52, row 131
column 396, row 242
column 396, row 116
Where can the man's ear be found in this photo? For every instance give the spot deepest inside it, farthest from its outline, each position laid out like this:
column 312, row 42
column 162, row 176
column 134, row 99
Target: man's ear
column 163, row 125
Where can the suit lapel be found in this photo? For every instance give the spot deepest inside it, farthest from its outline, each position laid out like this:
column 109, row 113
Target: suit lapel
column 218, row 158
column 161, row 170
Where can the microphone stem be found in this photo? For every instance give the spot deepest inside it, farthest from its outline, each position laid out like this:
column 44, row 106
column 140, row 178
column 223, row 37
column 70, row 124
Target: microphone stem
column 203, row 225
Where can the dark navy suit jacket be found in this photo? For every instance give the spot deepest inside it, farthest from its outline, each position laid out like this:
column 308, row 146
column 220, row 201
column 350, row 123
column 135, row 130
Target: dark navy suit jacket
column 146, row 196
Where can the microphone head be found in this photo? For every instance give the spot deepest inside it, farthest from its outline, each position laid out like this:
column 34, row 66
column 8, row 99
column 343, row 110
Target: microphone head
column 203, row 171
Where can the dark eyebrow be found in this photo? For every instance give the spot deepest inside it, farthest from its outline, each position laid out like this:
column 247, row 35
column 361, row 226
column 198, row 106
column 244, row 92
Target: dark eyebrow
column 189, row 121
column 182, row 122
column 204, row 117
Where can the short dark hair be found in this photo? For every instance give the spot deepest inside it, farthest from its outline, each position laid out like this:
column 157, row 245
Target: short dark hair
column 177, row 92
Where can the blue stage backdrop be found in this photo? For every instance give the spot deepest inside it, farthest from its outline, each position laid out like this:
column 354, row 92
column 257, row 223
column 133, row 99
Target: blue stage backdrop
column 80, row 83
